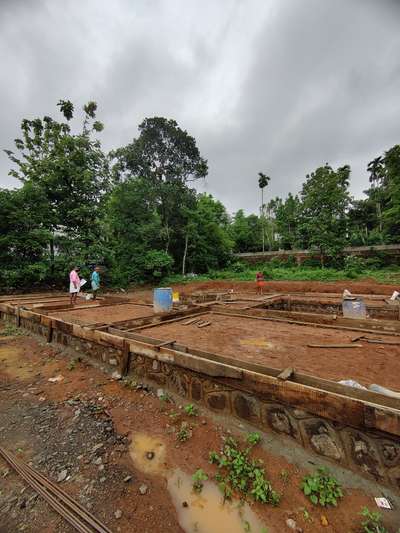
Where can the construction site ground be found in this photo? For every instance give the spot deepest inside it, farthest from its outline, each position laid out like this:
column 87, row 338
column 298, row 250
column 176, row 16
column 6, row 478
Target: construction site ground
column 85, row 424
column 280, row 345
column 83, row 429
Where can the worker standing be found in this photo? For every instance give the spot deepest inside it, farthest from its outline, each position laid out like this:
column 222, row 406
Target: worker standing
column 74, row 284
column 260, row 282
column 95, row 280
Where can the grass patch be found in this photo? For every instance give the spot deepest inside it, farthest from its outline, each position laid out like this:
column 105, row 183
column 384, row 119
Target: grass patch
column 10, row 330
column 390, row 275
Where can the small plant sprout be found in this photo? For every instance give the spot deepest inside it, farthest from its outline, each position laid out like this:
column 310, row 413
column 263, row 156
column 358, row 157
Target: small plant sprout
column 322, row 488
column 184, row 432
column 191, row 410
column 372, row 522
column 198, row 477
column 164, row 397
column 284, row 475
column 253, row 438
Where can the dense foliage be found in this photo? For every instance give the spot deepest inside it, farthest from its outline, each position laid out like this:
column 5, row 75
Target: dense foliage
column 137, row 212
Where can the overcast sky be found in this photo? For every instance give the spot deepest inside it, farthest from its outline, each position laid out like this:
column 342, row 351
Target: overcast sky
column 278, row 86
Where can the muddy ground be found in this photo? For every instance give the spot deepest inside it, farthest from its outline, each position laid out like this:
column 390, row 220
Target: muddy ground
column 279, row 345
column 86, row 430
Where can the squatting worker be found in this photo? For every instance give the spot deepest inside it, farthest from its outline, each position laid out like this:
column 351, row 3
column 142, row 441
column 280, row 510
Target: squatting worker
column 74, row 284
column 95, row 279
column 260, row 282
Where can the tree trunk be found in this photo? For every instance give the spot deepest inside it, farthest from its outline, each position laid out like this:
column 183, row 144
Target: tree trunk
column 262, row 219
column 185, row 254
column 168, row 238
column 52, row 255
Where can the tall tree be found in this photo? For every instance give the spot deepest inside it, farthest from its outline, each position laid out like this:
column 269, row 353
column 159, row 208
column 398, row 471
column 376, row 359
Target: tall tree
column 263, row 181
column 69, row 172
column 246, row 232
column 325, row 201
column 169, row 159
column 287, row 221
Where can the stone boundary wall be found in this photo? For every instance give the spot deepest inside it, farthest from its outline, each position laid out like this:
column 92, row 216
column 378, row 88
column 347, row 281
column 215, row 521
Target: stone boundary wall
column 372, row 454
column 391, row 252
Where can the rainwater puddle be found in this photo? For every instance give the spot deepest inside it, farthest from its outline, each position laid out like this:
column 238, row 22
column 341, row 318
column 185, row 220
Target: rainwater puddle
column 206, row 513
column 148, row 453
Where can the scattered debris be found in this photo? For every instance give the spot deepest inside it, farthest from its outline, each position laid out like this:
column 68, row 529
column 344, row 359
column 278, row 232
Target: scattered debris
column 143, row 489
column 62, row 476
column 56, row 379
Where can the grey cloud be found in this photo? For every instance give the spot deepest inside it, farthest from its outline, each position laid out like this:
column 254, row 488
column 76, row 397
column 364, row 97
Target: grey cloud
column 278, row 86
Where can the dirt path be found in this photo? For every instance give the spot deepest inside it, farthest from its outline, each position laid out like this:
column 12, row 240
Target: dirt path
column 80, row 430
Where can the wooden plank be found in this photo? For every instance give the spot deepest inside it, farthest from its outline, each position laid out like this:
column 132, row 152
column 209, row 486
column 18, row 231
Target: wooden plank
column 381, row 341
column 315, row 318
column 305, row 379
column 204, row 324
column 161, row 323
column 302, row 323
column 335, row 345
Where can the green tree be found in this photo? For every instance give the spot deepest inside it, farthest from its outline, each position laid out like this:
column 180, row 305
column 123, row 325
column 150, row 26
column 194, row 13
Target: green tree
column 325, row 202
column 23, row 240
column 246, row 232
column 391, row 183
column 208, row 244
column 68, row 172
column 133, row 229
column 169, row 159
column 287, row 221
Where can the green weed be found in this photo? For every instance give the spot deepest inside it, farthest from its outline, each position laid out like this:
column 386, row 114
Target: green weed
column 239, row 472
column 253, row 438
column 322, row 488
column 284, row 475
column 184, row 433
column 198, row 477
column 191, row 410
column 372, row 522
column 10, row 330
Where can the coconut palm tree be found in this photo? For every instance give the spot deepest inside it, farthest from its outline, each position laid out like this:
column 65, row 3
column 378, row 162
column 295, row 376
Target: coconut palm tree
column 262, row 182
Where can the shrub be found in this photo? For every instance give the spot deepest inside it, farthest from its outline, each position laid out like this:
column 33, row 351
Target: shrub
column 238, row 267
column 157, row 264
column 355, row 264
column 322, row 488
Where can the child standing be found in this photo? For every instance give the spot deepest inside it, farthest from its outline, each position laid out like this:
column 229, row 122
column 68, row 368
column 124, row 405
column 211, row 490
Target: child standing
column 260, row 282
column 95, row 280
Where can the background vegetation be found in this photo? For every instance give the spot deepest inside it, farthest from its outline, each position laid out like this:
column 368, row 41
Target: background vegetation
column 136, row 211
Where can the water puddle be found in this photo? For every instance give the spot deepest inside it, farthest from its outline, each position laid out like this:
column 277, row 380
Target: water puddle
column 206, row 512
column 148, row 453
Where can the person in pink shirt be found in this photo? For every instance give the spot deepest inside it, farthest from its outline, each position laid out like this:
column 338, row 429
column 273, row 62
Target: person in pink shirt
column 74, row 284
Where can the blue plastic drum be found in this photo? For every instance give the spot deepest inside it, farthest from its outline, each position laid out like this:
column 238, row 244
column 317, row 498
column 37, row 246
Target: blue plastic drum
column 162, row 300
